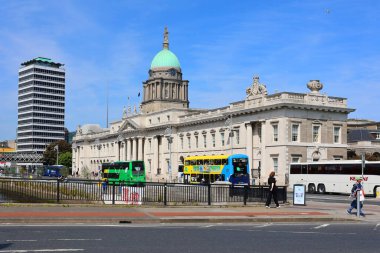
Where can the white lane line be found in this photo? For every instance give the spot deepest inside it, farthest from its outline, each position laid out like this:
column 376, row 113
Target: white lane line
column 74, row 239
column 21, row 240
column 378, row 224
column 39, row 250
column 322, row 226
column 264, row 225
column 208, row 226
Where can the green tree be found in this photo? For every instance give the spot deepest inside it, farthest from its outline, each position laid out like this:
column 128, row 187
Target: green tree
column 65, row 159
column 50, row 154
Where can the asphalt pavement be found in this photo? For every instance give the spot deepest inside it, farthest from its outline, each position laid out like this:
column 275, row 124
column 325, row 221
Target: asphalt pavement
column 117, row 214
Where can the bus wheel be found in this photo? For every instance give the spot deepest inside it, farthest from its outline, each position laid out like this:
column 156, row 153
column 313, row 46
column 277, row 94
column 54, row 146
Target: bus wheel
column 375, row 192
column 321, row 189
column 311, row 188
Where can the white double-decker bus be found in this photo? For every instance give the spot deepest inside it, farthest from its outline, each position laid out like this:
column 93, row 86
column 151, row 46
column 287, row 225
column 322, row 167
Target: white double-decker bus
column 336, row 176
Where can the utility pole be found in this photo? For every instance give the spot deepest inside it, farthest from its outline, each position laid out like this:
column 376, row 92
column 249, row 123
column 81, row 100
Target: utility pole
column 228, row 124
column 168, row 134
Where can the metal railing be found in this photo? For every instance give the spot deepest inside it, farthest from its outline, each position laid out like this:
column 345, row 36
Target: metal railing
column 95, row 191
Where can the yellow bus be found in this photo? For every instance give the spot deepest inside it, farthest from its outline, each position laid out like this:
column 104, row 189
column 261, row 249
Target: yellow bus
column 208, row 169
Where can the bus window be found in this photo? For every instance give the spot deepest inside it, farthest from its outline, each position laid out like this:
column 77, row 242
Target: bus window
column 199, row 162
column 187, row 162
column 217, row 162
column 193, row 162
column 180, row 168
column 223, row 162
column 212, row 162
column 206, row 162
column 295, row 169
column 312, row 169
column 137, row 167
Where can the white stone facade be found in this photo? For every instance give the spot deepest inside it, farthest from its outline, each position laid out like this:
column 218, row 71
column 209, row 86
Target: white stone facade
column 273, row 130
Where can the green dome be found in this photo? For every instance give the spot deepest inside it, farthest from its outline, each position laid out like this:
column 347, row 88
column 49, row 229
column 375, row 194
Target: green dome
column 165, row 58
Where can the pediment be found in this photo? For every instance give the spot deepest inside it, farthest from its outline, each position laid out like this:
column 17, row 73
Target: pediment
column 128, row 125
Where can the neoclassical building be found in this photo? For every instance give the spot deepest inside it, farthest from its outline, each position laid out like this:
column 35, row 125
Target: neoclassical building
column 272, row 129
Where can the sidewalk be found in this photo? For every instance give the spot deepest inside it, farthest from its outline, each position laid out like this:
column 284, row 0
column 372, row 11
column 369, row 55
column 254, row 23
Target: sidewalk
column 101, row 214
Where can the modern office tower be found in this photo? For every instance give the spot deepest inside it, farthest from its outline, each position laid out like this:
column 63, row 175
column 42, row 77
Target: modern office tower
column 41, row 104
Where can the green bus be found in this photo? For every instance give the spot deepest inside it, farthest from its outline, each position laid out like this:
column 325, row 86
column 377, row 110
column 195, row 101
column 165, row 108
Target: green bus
column 124, row 172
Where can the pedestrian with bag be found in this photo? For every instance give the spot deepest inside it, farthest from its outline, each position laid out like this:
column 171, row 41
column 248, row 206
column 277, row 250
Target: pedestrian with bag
column 357, row 188
column 272, row 190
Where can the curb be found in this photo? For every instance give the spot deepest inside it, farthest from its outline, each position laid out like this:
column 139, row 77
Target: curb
column 119, row 220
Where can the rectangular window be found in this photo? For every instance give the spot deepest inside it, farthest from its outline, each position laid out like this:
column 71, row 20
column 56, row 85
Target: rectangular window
column 213, row 140
column 196, row 141
column 295, row 132
column 204, row 141
column 237, row 136
column 316, row 133
column 336, row 134
column 275, row 132
column 181, row 142
column 296, row 159
column 275, row 164
column 222, row 138
column 189, row 142
column 377, row 136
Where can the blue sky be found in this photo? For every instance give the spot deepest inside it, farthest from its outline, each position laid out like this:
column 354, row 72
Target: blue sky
column 220, row 45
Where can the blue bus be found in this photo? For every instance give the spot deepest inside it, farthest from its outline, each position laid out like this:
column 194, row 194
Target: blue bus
column 209, row 169
column 52, row 170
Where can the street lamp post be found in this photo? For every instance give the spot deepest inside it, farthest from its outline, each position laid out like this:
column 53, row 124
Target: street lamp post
column 228, row 124
column 168, row 134
column 97, row 144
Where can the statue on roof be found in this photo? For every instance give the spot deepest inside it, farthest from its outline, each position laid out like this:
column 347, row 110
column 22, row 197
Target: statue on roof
column 166, row 38
column 124, row 112
column 257, row 88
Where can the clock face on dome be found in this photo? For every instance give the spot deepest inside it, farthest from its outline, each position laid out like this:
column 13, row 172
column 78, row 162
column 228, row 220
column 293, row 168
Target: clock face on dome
column 172, row 72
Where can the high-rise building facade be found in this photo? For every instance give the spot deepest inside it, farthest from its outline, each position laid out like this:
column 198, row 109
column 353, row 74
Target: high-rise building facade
column 41, row 104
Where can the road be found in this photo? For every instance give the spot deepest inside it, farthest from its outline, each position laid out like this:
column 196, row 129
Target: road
column 333, row 198
column 221, row 238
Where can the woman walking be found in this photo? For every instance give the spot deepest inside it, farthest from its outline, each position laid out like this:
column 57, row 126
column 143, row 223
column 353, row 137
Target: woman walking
column 272, row 190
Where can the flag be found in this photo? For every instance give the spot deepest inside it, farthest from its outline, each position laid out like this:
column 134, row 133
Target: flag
column 138, row 94
column 128, row 98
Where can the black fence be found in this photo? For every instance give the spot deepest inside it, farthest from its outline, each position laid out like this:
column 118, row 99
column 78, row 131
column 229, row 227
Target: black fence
column 93, row 191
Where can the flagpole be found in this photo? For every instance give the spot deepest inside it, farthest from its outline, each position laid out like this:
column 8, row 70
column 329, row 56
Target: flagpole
column 107, row 106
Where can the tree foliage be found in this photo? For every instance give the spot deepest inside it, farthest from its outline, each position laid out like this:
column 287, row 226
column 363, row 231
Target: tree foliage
column 50, row 154
column 65, row 159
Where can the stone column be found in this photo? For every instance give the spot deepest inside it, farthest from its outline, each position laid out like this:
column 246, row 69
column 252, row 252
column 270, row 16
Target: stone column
column 264, row 158
column 134, row 149
column 249, row 144
column 128, row 153
column 140, row 146
column 155, row 151
column 117, row 156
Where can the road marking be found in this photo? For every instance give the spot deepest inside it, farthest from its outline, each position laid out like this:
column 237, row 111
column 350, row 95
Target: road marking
column 322, row 226
column 378, row 224
column 208, row 226
column 21, row 240
column 39, row 250
column 264, row 225
column 74, row 239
